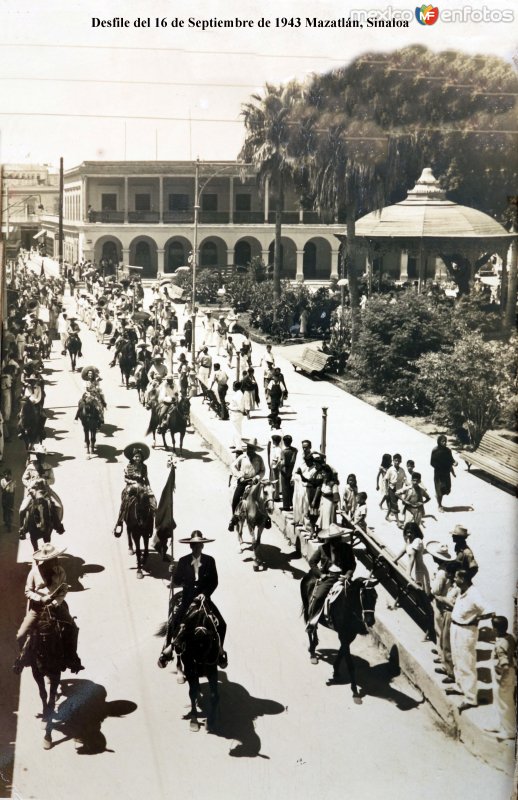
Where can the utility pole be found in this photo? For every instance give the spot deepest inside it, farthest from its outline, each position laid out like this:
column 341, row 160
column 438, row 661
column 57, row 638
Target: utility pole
column 195, row 259
column 60, row 228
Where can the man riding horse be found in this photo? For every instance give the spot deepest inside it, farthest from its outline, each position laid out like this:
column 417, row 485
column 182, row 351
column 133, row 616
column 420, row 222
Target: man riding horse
column 135, row 474
column 167, row 400
column 246, row 467
column 46, row 588
column 38, row 476
column 332, row 562
column 198, row 576
column 92, row 378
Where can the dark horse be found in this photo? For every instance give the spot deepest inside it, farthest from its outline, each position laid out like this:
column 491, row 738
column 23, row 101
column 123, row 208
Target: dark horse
column 90, row 415
column 31, row 423
column 73, row 345
column 139, row 519
column 41, row 517
column 198, row 646
column 175, row 422
column 127, row 361
column 50, row 648
column 351, row 614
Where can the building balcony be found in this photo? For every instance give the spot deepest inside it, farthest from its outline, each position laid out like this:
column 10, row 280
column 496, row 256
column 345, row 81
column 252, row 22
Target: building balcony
column 249, row 217
column 148, row 217
column 179, row 217
column 106, row 216
column 214, row 217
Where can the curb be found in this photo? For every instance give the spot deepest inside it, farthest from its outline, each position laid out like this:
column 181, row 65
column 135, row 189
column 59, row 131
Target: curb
column 394, row 632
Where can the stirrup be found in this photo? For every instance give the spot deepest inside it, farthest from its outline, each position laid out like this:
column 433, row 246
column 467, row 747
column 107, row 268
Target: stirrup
column 117, row 531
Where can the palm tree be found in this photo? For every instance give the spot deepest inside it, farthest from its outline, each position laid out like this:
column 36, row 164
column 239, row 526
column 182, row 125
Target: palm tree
column 267, row 145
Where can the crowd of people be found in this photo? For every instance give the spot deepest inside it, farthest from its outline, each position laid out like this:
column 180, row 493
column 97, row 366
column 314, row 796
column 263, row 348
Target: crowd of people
column 158, row 342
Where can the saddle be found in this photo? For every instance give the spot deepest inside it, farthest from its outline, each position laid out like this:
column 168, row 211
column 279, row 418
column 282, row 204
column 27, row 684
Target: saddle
column 334, row 592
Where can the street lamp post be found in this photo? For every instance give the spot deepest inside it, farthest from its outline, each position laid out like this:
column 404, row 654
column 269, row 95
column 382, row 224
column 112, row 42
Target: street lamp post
column 195, row 259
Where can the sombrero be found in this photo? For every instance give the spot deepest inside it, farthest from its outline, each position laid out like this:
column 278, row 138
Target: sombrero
column 47, row 552
column 196, row 536
column 252, row 443
column 439, row 551
column 460, row 530
column 86, row 370
column 142, row 344
column 333, row 532
column 131, row 449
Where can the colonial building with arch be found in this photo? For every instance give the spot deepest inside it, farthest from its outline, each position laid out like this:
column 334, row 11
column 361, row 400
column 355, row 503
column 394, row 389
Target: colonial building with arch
column 141, row 213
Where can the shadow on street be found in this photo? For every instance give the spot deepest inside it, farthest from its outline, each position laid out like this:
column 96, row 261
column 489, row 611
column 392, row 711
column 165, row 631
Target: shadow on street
column 237, row 713
column 81, row 715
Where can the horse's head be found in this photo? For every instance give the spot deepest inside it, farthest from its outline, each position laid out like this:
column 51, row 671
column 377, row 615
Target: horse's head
column 268, row 494
column 367, row 596
column 199, row 638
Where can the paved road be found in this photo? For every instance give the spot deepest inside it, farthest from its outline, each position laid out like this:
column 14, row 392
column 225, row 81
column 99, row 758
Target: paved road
column 283, row 732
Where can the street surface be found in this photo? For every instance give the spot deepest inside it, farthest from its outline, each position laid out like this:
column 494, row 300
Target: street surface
column 283, row 732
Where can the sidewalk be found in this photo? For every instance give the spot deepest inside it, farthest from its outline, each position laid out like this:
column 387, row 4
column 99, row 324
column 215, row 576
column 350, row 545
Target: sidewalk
column 357, row 436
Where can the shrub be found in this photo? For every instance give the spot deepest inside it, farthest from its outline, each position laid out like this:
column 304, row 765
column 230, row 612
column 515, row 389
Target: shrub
column 472, row 385
column 395, row 333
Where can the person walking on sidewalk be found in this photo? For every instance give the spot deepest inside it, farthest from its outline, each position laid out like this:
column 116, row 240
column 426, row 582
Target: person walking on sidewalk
column 220, row 380
column 443, row 463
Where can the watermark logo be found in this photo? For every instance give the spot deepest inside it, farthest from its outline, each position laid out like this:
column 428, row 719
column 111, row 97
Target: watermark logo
column 427, row 15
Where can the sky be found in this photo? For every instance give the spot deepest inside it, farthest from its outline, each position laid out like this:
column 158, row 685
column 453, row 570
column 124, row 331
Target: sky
column 84, row 92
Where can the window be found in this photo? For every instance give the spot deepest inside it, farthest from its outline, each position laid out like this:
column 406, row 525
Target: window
column 178, row 202
column 209, row 202
column 109, row 202
column 243, row 202
column 142, row 202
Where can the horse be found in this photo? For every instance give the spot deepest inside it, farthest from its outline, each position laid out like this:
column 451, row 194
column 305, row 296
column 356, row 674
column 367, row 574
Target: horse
column 139, row 519
column 41, row 517
column 127, row 361
column 90, row 415
column 175, row 422
column 142, row 380
column 255, row 508
column 50, row 648
column 30, row 423
column 73, row 345
column 350, row 614
column 198, row 644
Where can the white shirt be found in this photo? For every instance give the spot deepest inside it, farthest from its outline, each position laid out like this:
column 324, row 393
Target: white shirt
column 469, row 605
column 196, row 562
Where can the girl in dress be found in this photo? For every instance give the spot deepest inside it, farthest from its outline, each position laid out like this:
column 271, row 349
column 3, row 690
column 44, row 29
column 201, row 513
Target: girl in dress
column 381, row 485
column 350, row 496
column 414, row 549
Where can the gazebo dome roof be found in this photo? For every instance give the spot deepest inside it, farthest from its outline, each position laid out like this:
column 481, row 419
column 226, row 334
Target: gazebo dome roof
column 426, row 213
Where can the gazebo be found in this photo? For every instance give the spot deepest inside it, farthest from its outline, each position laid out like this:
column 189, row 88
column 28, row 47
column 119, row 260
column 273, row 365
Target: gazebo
column 426, row 227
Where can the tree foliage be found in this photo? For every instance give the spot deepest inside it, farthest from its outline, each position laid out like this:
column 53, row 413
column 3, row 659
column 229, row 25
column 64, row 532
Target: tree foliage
column 473, row 385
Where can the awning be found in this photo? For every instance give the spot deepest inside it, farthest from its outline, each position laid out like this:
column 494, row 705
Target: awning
column 39, row 234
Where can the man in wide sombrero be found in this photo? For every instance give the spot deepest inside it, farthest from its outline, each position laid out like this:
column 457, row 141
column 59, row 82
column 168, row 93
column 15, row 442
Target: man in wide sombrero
column 134, row 474
column 91, row 377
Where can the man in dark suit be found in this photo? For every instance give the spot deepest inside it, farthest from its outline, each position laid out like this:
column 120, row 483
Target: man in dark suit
column 197, row 575
column 332, row 561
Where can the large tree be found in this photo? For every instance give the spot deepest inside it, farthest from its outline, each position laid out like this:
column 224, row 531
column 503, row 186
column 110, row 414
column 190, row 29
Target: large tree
column 380, row 120
column 268, row 145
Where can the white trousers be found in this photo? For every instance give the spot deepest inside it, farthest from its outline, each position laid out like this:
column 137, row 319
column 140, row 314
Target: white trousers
column 503, row 699
column 464, row 655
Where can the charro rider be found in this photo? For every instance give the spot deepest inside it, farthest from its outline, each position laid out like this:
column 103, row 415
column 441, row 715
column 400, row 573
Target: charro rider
column 167, row 399
column 197, row 575
column 247, row 467
column 92, row 378
column 38, row 476
column 332, row 561
column 135, row 474
column 46, row 587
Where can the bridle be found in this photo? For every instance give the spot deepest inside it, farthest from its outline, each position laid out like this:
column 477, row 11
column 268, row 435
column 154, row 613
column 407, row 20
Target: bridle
column 366, row 588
